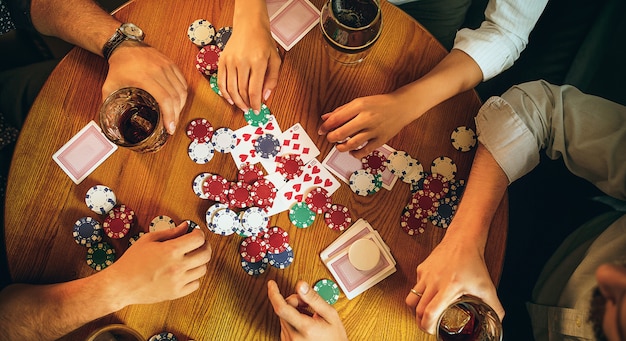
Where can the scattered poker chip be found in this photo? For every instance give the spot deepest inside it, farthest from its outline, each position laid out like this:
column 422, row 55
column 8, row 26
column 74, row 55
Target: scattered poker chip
column 455, row 191
column 277, row 240
column 415, row 186
column 300, row 215
column 210, row 212
column 200, row 152
column 87, row 231
column 425, row 202
column 375, row 163
column 222, row 36
column 100, row 255
column 201, row 32
column 191, row 225
column 200, row 130
column 318, row 200
column 132, row 240
column 224, row 140
column 214, row 86
column 290, row 166
column 365, row 183
column 253, row 249
column 100, row 199
column 249, row 173
column 328, row 290
column 239, row 195
column 414, row 173
column 267, row 146
column 254, row 269
column 260, row 119
column 163, row 336
column 215, row 187
column 445, row 166
column 281, row 260
column 398, row 162
column 444, row 213
column 224, row 222
column 118, row 222
column 463, row 139
column 263, row 193
column 207, row 59
column 413, row 221
column 337, row 217
column 162, row 222
column 254, row 220
column 436, row 185
column 198, row 183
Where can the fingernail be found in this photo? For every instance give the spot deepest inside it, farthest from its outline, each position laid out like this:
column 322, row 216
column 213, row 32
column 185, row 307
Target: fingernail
column 172, row 128
column 320, row 132
column 304, row 288
column 230, row 101
column 267, row 94
column 256, row 112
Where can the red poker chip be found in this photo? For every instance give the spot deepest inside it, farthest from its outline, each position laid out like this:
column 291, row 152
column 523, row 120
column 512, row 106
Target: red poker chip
column 318, row 200
column 290, row 166
column 200, row 130
column 276, row 239
column 116, row 225
column 436, row 185
column 239, row 195
column 216, row 188
column 263, row 193
column 427, row 203
column 375, row 163
column 337, row 217
column 253, row 249
column 207, row 59
column 413, row 221
column 249, row 174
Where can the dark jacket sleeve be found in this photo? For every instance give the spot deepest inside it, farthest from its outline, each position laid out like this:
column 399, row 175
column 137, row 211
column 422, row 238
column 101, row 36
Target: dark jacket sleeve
column 20, row 14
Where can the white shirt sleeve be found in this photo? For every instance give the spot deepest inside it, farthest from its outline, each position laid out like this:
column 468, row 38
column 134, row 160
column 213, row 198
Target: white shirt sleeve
column 500, row 39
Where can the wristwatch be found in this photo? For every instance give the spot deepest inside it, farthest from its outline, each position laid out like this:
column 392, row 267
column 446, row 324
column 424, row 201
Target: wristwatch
column 127, row 31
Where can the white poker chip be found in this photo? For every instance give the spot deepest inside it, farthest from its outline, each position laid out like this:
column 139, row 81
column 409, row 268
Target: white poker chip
column 362, row 182
column 364, row 254
column 414, row 173
column 100, row 199
column 398, row 162
column 224, row 140
column 444, row 166
column 162, row 222
column 201, row 32
column 463, row 139
column 200, row 152
column 197, row 184
column 224, row 222
column 254, row 220
column 211, row 211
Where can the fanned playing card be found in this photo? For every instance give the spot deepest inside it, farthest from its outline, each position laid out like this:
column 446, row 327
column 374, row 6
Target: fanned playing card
column 292, row 21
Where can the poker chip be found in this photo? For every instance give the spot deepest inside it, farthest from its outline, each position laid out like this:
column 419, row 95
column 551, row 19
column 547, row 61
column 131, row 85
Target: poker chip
column 260, row 119
column 455, row 191
column 222, row 36
column 254, row 220
column 263, row 193
column 224, row 140
column 413, row 221
column 253, row 249
column 210, row 212
column 249, row 173
column 281, row 260
column 398, row 162
column 100, row 255
column 214, row 86
column 161, row 222
column 87, row 231
column 375, row 163
column 463, row 139
column 328, row 290
column 207, row 59
column 267, row 146
column 444, row 213
column 318, row 200
column 425, row 202
column 436, row 185
column 224, row 222
column 364, row 254
column 254, row 269
column 215, row 187
column 200, row 152
column 118, row 222
column 276, row 239
column 191, row 225
column 163, row 336
column 337, row 217
column 300, row 215
column 100, row 199
column 239, row 195
column 365, row 183
column 290, row 166
column 201, row 32
column 198, row 183
column 414, row 172
column 132, row 240
column 200, row 130
column 445, row 166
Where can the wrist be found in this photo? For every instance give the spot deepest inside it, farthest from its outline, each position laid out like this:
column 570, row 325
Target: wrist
column 126, row 32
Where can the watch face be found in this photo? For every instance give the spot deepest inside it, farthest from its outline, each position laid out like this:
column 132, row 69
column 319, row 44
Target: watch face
column 131, row 30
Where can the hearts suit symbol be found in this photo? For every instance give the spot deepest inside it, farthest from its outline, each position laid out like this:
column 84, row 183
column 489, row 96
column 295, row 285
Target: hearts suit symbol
column 328, row 183
column 246, row 137
column 318, row 180
column 288, row 195
column 258, row 131
column 307, row 177
column 299, row 197
column 269, row 126
column 315, row 170
column 297, row 187
column 243, row 157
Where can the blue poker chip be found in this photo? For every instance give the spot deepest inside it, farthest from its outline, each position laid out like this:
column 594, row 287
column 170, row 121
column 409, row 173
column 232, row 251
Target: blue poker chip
column 163, row 336
column 444, row 213
column 87, row 231
column 222, row 36
column 267, row 146
column 281, row 260
column 254, row 269
column 100, row 199
column 132, row 240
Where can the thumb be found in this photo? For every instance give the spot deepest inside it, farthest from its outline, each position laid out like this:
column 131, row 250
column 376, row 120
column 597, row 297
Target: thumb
column 311, row 298
column 167, row 234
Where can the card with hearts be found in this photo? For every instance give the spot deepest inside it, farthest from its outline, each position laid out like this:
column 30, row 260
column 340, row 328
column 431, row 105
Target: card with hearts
column 244, row 151
column 294, row 140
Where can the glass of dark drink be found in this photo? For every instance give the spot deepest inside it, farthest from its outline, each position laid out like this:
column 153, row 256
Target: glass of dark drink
column 130, row 117
column 350, row 28
column 469, row 319
column 115, row 332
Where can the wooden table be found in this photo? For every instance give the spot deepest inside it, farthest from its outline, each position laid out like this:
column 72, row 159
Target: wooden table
column 43, row 203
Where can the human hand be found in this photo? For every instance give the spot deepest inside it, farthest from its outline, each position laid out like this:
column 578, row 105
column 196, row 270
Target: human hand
column 453, row 269
column 324, row 324
column 248, row 67
column 366, row 123
column 161, row 265
column 142, row 66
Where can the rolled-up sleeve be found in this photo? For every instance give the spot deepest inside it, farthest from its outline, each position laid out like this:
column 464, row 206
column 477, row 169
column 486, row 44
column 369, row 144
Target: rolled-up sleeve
column 501, row 38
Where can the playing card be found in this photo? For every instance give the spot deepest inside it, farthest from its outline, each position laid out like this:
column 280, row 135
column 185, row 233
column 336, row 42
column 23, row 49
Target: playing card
column 294, row 140
column 342, row 164
column 358, row 230
column 292, row 21
column 84, row 152
column 244, row 151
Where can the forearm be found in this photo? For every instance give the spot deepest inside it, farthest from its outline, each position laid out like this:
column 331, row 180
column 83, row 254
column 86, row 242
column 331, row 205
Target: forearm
column 79, row 22
column 251, row 12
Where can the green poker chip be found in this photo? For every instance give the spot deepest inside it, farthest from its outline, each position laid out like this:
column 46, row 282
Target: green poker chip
column 214, row 86
column 301, row 216
column 328, row 290
column 258, row 120
column 100, row 255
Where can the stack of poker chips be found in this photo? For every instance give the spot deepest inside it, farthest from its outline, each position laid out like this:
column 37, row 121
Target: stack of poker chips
column 211, row 43
column 317, row 201
column 268, row 249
